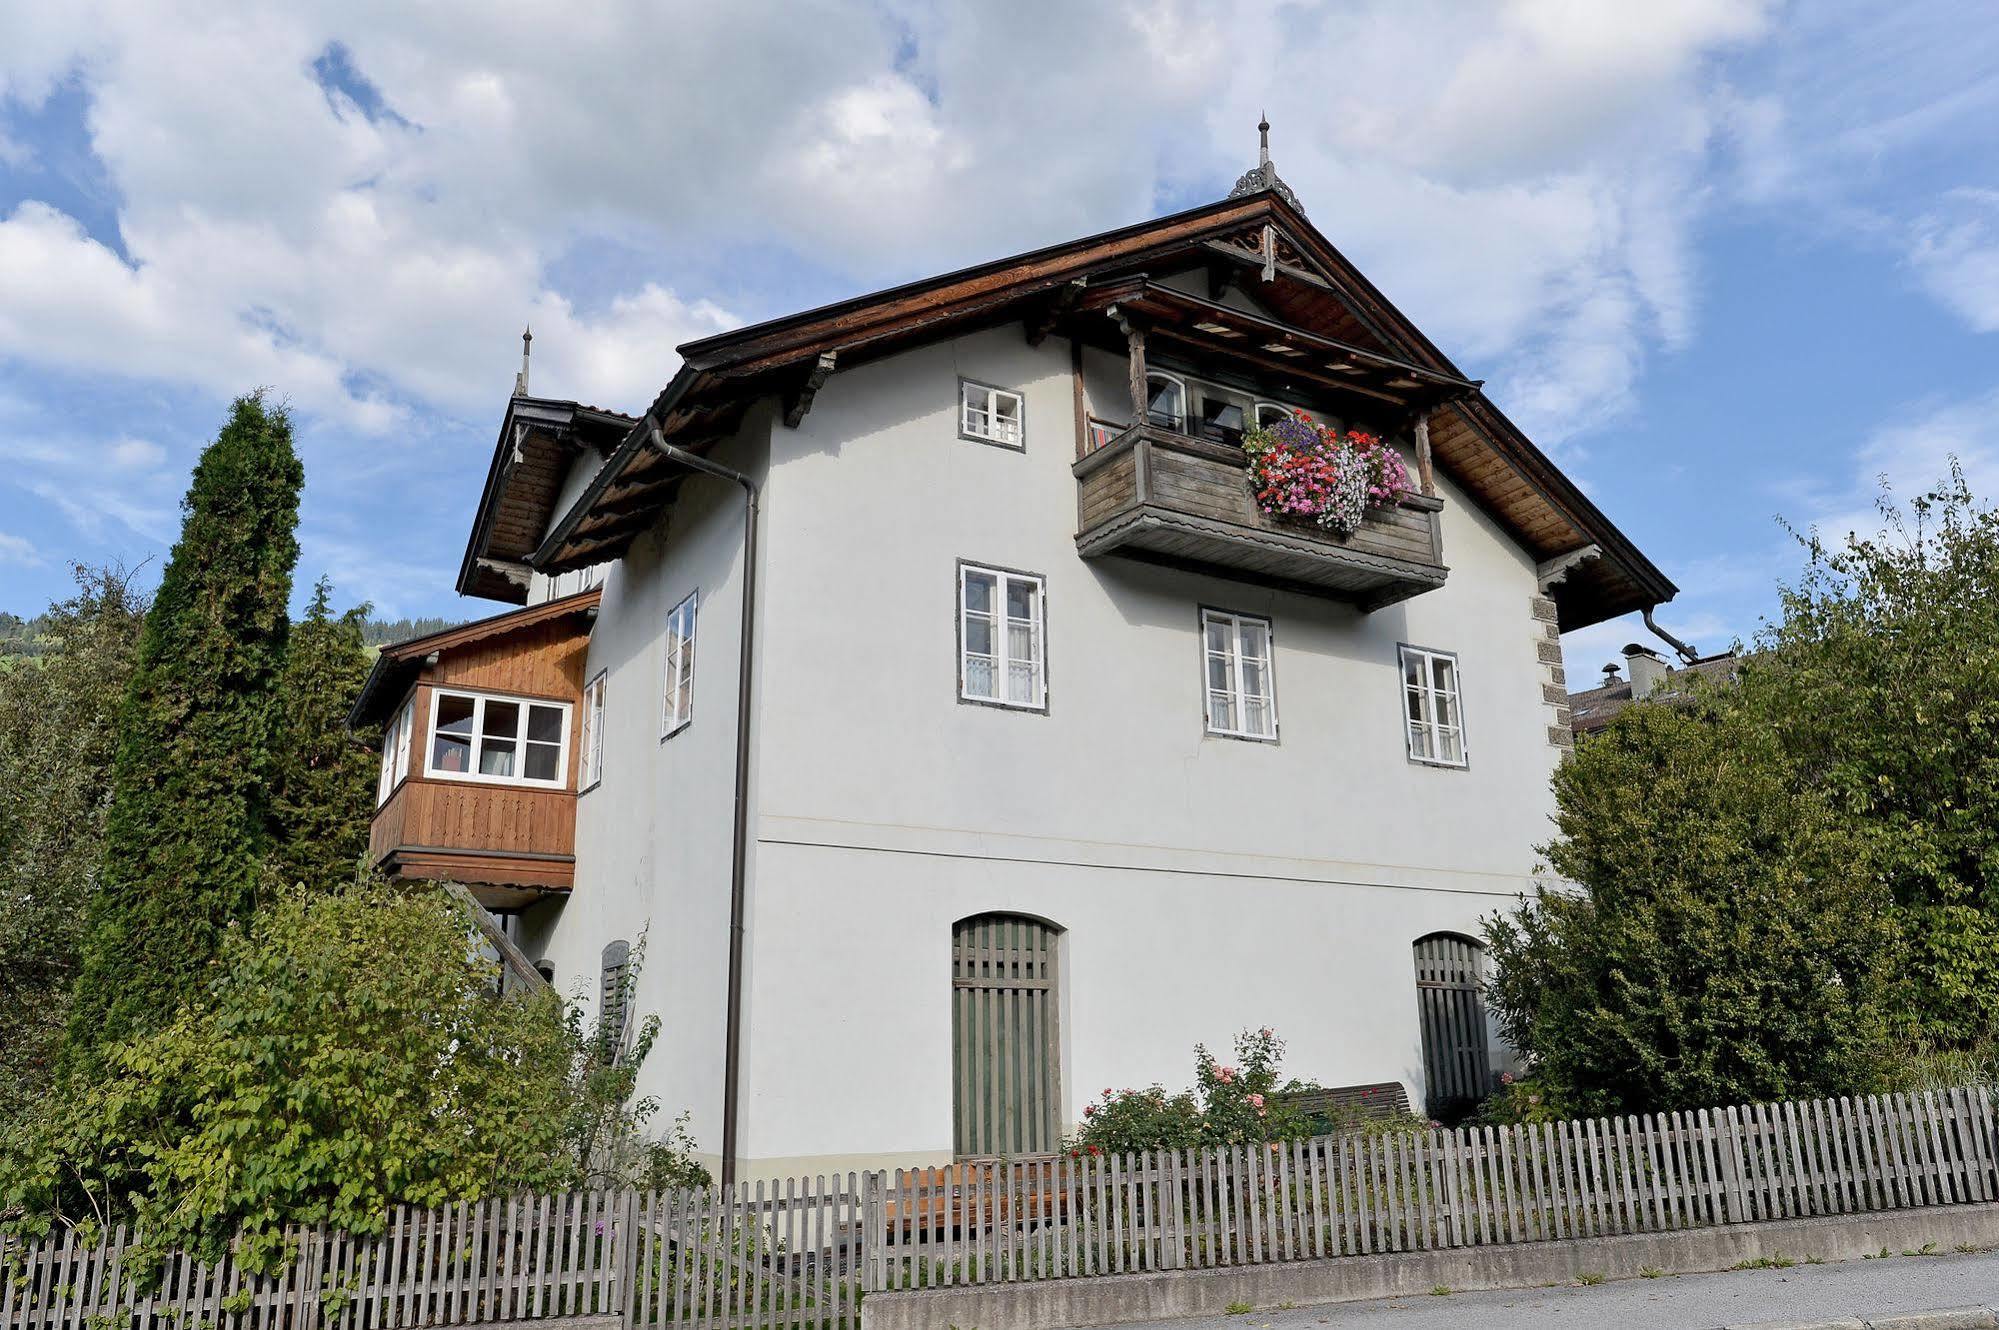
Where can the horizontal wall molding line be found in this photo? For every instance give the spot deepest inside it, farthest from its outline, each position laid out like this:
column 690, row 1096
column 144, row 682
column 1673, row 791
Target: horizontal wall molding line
column 948, row 843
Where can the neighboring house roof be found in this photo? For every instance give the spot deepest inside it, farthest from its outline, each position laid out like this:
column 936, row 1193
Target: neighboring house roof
column 1361, row 347
column 1593, row 708
column 538, row 438
column 397, row 668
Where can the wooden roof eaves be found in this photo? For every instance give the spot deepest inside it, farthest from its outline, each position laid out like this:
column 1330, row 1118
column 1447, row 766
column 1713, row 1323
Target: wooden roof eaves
column 405, row 658
column 544, row 410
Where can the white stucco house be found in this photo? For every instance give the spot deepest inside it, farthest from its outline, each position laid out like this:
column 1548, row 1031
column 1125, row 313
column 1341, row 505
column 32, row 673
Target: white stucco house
column 1041, row 752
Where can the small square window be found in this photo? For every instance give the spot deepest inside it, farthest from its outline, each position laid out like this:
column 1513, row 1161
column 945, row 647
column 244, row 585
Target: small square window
column 993, row 415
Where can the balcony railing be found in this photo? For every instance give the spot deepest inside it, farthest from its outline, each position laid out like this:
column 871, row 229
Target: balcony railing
column 1158, row 495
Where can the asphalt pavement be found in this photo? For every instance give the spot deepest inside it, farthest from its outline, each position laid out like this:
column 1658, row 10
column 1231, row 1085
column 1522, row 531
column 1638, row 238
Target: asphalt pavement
column 1884, row 1286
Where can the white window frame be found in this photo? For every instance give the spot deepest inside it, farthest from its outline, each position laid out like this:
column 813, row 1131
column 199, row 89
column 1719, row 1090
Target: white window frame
column 1428, row 693
column 1256, row 412
column 590, row 751
column 1236, row 692
column 472, row 773
column 677, row 675
column 1002, row 622
column 396, row 751
column 970, row 390
column 1186, row 402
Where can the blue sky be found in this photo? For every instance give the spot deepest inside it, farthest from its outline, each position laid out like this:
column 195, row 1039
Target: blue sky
column 1725, row 260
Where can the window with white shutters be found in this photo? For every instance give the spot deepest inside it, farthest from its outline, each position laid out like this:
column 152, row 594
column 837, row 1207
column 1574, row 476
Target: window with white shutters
column 678, row 708
column 1001, row 636
column 1432, row 712
column 1242, row 697
column 592, row 746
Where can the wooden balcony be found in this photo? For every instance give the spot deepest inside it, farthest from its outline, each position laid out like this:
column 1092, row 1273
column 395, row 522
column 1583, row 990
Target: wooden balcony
column 509, row 845
column 1153, row 494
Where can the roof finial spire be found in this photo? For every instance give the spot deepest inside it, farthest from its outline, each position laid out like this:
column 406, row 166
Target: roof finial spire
column 1265, row 176
column 521, row 379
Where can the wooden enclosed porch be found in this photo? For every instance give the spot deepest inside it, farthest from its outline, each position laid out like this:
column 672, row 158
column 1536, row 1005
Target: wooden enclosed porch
column 486, row 736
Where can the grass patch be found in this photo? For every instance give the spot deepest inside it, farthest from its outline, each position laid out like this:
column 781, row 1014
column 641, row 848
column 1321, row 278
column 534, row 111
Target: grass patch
column 1649, row 1272
column 1777, row 1262
column 1237, row 1309
column 1590, row 1277
column 1440, row 1290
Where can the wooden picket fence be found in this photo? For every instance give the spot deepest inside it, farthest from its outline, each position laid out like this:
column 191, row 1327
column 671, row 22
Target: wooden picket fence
column 800, row 1254
column 1360, row 1194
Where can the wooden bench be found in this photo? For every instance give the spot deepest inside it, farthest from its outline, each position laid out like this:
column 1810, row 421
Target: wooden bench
column 1368, row 1103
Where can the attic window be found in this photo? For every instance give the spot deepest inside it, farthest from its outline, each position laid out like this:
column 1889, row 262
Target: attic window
column 992, row 415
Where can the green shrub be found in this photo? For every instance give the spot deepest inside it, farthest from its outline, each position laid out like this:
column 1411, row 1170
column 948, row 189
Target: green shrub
column 352, row 1055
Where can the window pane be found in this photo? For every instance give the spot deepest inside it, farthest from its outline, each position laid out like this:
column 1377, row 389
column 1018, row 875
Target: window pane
column 1452, row 746
column 543, row 761
column 1255, row 680
column 1220, row 637
column 1256, row 716
column 1419, row 741
column 496, row 757
column 1414, row 697
column 1164, row 405
column 1218, row 672
column 979, row 677
column 1019, row 598
column 545, row 724
column 1221, row 711
column 1006, row 417
column 979, row 592
column 452, row 750
column 1443, row 674
column 978, row 635
column 1412, row 669
column 1255, row 640
column 503, row 720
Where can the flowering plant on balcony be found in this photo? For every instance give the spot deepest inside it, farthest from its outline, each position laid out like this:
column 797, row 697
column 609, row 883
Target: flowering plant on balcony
column 1300, row 468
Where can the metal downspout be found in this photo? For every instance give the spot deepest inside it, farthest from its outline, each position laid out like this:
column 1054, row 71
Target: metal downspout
column 739, row 864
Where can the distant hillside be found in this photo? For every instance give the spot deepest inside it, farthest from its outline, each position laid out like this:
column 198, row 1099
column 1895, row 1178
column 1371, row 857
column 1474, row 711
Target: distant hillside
column 382, row 632
column 22, row 637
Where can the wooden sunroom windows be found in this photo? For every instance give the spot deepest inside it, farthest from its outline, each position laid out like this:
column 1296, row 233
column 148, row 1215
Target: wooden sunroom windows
column 395, row 752
column 505, row 740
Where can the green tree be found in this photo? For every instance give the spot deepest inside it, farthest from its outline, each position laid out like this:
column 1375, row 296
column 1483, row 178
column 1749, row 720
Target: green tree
column 187, row 839
column 1880, row 681
column 323, row 777
column 1726, row 943
column 57, row 732
column 352, row 1055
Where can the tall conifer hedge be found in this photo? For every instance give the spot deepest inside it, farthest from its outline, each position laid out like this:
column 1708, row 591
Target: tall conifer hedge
column 187, row 838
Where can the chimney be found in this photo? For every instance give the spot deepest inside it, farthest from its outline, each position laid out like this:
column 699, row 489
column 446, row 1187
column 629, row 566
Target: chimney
column 1646, row 668
column 1610, row 675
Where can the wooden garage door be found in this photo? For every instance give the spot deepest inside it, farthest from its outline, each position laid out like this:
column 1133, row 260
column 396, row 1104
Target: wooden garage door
column 1457, row 1064
column 1004, row 1041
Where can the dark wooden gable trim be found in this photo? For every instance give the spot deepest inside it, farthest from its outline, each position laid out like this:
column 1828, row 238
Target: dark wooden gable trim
column 399, row 663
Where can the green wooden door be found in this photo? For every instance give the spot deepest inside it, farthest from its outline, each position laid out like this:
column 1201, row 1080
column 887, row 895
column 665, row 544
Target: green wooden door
column 1457, row 1058
column 1005, row 1047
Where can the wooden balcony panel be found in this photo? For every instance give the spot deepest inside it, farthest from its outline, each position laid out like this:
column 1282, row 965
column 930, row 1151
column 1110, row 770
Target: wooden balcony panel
column 508, row 843
column 1164, row 497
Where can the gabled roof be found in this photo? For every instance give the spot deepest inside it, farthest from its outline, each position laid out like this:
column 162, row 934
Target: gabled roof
column 399, row 664
column 539, row 436
column 1593, row 708
column 1359, row 344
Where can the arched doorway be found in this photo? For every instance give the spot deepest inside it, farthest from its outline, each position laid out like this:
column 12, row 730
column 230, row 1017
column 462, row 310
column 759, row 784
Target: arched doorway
column 1005, row 1044
column 1450, row 1004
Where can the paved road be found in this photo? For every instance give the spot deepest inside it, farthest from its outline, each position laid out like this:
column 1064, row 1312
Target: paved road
column 1675, row 1302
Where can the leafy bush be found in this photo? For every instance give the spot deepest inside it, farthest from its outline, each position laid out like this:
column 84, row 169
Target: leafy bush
column 1729, row 944
column 351, row 1056
column 1232, row 1103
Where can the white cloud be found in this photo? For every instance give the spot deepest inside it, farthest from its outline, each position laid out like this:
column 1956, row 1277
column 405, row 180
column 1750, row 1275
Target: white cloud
column 1956, row 254
column 16, row 550
column 136, row 454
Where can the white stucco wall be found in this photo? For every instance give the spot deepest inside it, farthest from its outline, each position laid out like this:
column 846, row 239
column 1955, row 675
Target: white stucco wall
column 1206, row 884
column 653, row 838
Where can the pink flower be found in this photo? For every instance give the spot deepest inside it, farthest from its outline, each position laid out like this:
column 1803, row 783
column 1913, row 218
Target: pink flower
column 1089, row 1110
column 1226, row 1075
column 1256, row 1102
column 1506, row 1078
column 1268, row 1032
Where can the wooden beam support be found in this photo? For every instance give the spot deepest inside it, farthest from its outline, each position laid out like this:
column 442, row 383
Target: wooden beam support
column 815, row 378
column 1425, row 472
column 514, row 963
column 1055, row 310
column 1134, row 339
